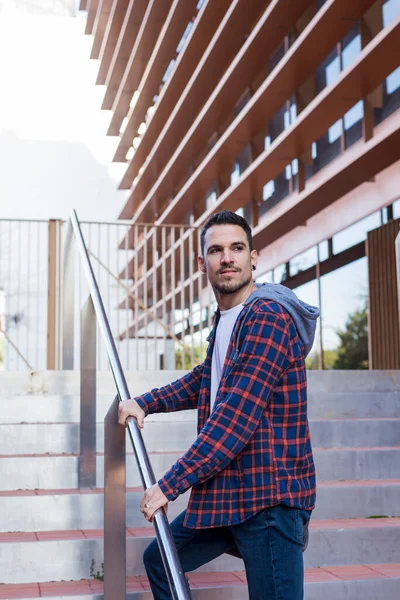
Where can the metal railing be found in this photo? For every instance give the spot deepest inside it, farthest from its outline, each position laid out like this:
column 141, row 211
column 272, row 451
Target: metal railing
column 94, row 306
column 158, row 304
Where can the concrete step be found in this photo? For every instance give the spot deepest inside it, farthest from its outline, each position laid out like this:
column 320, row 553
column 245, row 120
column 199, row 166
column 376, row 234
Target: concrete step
column 68, row 382
column 64, row 408
column 26, row 557
column 52, row 471
column 53, row 396
column 370, row 582
column 47, row 510
column 60, row 438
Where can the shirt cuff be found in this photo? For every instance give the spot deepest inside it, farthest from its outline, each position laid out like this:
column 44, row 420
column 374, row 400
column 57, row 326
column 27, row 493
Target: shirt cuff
column 170, row 486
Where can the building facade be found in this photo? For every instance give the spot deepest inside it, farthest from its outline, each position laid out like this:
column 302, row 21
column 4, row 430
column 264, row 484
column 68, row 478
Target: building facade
column 287, row 112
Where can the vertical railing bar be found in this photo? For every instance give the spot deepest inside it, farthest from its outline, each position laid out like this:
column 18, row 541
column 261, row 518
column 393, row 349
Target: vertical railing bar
column 127, row 296
column 18, row 288
column 68, row 325
column 136, row 292
column 321, row 343
column 209, row 322
column 118, row 291
column 87, row 454
column 397, row 246
column 108, row 279
column 191, row 299
column 28, row 288
column 114, row 506
column 182, row 280
column 146, row 297
column 156, row 366
column 164, row 292
column 37, row 294
column 100, row 286
column 200, row 294
column 59, row 291
column 173, row 287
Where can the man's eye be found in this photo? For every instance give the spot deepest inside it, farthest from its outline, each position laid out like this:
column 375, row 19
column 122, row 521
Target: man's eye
column 239, row 248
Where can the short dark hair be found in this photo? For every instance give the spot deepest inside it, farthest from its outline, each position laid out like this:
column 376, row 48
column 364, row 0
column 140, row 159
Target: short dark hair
column 226, row 217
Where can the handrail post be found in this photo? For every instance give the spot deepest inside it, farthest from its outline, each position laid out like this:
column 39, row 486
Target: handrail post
column 87, row 457
column 68, row 308
column 114, row 506
column 397, row 243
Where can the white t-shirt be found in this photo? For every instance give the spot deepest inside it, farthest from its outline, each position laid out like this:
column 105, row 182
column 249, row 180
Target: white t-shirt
column 222, row 338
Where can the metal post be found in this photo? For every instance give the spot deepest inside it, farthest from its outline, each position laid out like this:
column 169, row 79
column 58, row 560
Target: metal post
column 68, row 301
column 52, row 253
column 87, row 460
column 321, row 344
column 398, row 270
column 114, row 506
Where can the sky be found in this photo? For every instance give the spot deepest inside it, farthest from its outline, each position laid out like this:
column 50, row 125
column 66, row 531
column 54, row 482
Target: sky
column 54, row 151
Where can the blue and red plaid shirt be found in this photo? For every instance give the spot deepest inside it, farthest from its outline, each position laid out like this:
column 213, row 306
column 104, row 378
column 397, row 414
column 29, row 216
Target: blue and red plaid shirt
column 254, row 449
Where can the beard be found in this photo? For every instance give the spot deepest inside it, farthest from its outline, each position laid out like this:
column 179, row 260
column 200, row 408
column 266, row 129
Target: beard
column 231, row 287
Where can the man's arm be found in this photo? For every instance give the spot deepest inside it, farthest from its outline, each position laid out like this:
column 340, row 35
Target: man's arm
column 182, row 394
column 265, row 355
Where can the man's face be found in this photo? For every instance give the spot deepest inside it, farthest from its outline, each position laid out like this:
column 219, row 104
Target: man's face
column 227, row 258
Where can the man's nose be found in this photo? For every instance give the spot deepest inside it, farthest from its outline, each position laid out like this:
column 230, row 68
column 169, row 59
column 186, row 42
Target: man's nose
column 226, row 257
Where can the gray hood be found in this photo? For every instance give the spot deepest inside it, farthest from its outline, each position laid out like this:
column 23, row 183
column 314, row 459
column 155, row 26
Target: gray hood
column 304, row 315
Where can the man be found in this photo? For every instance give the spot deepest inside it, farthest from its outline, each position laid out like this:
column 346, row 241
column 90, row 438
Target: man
column 251, row 468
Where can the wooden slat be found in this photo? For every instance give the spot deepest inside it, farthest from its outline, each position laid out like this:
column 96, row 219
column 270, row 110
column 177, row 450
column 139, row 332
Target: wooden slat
column 83, row 4
column 99, row 27
column 92, row 9
column 164, row 50
column 148, row 33
column 354, row 167
column 300, row 61
column 110, row 38
column 226, row 42
column 374, row 63
column 383, row 306
column 276, row 21
column 338, row 180
column 126, row 40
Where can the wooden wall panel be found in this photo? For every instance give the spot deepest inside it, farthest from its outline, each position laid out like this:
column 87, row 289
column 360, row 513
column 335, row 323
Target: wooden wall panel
column 384, row 329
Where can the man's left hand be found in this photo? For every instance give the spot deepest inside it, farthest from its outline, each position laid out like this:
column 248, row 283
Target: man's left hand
column 153, row 499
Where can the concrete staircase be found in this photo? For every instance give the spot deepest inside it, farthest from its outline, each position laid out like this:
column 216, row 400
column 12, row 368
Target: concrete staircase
column 50, row 532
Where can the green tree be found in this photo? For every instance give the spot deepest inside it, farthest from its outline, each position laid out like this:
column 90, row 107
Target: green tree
column 353, row 349
column 197, row 355
column 330, row 356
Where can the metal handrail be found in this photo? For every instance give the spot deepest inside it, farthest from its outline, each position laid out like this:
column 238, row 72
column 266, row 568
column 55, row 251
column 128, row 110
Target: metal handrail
column 178, row 584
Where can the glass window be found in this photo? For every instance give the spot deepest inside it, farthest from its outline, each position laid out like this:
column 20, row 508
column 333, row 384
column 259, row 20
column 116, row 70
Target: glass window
column 323, row 250
column 354, row 115
column 390, row 10
column 303, row 261
column 355, row 233
column 266, row 278
column 351, row 49
column 184, row 37
column 280, row 274
column 235, row 174
column 396, row 209
column 343, row 292
column 393, row 81
column 211, row 197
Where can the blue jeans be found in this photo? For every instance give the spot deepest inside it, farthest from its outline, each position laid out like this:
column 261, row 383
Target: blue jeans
column 271, row 544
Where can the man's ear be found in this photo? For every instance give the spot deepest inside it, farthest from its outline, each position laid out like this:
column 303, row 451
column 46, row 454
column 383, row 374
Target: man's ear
column 253, row 259
column 202, row 265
